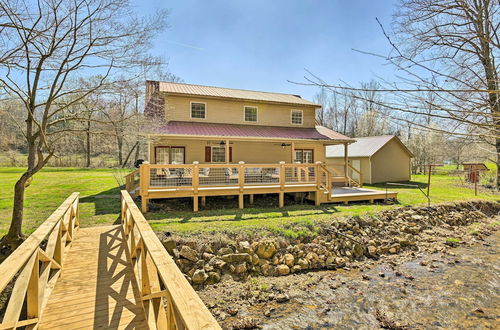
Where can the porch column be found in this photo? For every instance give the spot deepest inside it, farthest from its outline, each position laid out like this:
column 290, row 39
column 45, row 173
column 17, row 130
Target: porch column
column 293, row 152
column 227, row 151
column 345, row 162
column 149, row 151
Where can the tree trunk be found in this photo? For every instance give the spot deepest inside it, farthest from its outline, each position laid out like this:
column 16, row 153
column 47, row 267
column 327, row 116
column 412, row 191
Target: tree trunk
column 87, row 151
column 15, row 230
column 498, row 163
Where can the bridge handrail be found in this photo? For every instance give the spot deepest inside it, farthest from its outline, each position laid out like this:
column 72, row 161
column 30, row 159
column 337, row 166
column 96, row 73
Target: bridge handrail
column 35, row 282
column 159, row 277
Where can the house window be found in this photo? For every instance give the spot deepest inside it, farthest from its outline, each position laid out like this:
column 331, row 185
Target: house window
column 218, row 154
column 297, row 117
column 198, row 110
column 170, row 155
column 250, row 113
column 304, row 156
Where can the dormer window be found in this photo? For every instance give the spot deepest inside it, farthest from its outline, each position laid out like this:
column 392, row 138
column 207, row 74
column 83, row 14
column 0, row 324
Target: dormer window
column 198, row 110
column 297, row 117
column 250, row 113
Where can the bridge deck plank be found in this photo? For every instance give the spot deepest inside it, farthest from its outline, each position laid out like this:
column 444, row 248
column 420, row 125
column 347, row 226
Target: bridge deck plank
column 96, row 288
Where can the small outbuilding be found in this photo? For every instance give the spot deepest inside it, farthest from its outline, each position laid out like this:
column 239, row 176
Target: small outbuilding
column 379, row 158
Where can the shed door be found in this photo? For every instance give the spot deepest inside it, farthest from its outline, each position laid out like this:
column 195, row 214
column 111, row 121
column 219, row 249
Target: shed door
column 356, row 163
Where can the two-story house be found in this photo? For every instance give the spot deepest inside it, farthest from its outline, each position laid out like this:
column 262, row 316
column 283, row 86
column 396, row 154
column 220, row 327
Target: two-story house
column 222, row 125
column 205, row 141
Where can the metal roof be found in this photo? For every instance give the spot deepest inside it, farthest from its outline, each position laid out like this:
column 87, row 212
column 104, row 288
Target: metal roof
column 181, row 128
column 363, row 147
column 241, row 94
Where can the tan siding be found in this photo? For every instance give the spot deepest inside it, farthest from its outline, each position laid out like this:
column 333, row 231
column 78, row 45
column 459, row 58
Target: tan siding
column 231, row 112
column 390, row 163
column 249, row 152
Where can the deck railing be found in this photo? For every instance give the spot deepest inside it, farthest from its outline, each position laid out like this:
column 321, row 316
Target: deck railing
column 132, row 181
column 196, row 175
column 159, row 278
column 37, row 263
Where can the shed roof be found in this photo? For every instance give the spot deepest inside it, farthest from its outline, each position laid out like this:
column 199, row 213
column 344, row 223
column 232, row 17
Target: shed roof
column 364, row 147
column 181, row 128
column 241, row 94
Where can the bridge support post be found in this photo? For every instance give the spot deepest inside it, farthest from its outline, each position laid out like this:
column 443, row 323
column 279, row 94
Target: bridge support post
column 144, row 204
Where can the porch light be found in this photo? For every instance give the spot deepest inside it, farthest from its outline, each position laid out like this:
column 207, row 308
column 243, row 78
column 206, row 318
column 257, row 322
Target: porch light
column 222, row 143
column 283, row 145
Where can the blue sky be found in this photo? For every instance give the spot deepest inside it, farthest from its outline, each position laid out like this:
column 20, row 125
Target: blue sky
column 261, row 44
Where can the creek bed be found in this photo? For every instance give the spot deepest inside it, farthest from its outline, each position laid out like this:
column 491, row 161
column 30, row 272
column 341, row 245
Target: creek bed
column 455, row 289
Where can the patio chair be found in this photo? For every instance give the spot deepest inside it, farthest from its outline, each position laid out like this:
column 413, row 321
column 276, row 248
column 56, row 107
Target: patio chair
column 168, row 174
column 231, row 173
column 204, row 172
column 273, row 173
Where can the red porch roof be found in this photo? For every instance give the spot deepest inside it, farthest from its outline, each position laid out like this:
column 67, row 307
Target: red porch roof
column 234, row 130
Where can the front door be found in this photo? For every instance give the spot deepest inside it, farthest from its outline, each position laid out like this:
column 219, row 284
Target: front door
column 304, row 156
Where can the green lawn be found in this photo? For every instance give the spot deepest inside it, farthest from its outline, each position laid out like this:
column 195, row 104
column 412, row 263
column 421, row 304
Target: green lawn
column 100, row 203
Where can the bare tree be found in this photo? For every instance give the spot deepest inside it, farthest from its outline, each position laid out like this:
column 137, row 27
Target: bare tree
column 445, row 52
column 50, row 44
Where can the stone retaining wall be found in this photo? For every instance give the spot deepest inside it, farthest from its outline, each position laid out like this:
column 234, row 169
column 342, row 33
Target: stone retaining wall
column 208, row 260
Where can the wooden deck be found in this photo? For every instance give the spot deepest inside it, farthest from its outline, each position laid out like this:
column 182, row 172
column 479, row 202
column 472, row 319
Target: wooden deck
column 352, row 194
column 110, row 277
column 96, row 288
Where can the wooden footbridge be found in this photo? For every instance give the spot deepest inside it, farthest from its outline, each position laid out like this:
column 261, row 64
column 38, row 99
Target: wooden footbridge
column 110, row 277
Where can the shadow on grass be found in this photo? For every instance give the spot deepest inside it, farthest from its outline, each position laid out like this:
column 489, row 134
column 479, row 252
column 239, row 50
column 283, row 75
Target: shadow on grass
column 224, row 208
column 402, row 185
column 105, row 202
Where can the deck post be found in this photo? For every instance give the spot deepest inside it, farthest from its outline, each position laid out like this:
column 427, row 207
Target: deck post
column 345, row 163
column 144, row 204
column 195, row 203
column 203, row 201
column 241, row 182
column 282, row 184
column 251, row 199
column 195, row 183
column 227, row 151
column 317, row 201
column 144, row 171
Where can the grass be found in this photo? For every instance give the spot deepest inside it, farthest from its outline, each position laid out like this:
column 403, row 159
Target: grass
column 99, row 195
column 100, row 204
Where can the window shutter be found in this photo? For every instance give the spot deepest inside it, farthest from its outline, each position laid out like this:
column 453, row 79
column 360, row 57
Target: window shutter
column 230, row 154
column 208, row 154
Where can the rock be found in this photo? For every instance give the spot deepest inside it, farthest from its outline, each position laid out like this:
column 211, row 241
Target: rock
column 237, row 257
column 289, row 260
column 232, row 311
column 245, row 247
column 188, row 253
column 266, row 269
column 393, row 250
column 225, row 250
column 358, row 250
column 266, row 249
column 303, row 263
column 213, row 277
column 267, row 312
column 365, row 277
column 199, row 276
column 281, row 298
column 340, row 261
column 240, row 268
column 296, row 269
column 372, row 250
column 207, row 256
column 255, row 259
column 175, row 254
column 169, row 245
column 282, row 270
column 381, row 274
